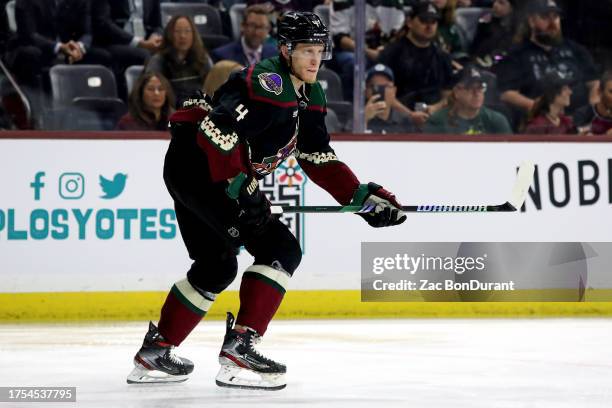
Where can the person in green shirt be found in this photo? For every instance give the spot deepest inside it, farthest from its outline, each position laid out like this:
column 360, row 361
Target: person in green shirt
column 466, row 113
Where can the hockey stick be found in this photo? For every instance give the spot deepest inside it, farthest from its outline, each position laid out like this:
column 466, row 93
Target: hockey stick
column 523, row 181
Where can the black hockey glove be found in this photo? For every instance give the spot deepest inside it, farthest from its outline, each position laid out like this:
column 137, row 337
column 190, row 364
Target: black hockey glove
column 384, row 209
column 254, row 206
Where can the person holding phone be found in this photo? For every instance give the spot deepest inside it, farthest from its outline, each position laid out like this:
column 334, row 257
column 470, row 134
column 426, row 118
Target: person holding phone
column 381, row 113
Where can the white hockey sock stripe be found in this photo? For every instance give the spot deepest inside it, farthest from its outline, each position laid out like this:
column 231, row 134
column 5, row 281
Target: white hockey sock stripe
column 281, row 278
column 191, row 295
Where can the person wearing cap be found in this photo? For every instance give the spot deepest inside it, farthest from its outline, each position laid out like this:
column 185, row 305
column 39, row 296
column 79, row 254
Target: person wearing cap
column 494, row 33
column 520, row 74
column 466, row 113
column 422, row 71
column 547, row 115
column 381, row 112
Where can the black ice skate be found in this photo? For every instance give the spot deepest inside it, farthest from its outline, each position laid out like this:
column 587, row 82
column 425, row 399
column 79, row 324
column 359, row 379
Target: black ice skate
column 242, row 366
column 155, row 362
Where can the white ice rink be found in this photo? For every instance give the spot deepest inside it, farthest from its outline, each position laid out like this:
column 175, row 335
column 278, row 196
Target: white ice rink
column 386, row 363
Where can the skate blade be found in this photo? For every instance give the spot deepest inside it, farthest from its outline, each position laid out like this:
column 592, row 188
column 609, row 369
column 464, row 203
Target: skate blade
column 237, row 377
column 142, row 375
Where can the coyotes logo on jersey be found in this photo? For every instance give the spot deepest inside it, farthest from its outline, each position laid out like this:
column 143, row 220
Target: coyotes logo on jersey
column 270, row 163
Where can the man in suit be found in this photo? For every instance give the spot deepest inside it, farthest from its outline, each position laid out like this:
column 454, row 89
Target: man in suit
column 129, row 29
column 250, row 49
column 50, row 32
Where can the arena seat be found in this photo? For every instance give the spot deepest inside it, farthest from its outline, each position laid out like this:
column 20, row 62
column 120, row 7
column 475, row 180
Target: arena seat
column 236, row 13
column 85, row 97
column 331, row 84
column 132, row 74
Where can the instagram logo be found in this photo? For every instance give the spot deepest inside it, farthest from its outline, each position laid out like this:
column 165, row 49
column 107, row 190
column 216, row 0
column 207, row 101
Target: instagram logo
column 71, row 186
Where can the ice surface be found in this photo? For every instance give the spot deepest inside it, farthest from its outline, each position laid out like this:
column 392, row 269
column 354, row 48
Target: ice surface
column 376, row 363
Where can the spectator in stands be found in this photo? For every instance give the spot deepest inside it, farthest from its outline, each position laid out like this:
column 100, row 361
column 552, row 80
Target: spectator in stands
column 544, row 51
column 130, row 30
column 423, row 72
column 182, row 58
column 382, row 23
column 280, row 6
column 596, row 119
column 251, row 47
column 466, row 113
column 50, row 32
column 547, row 115
column 449, row 38
column 495, row 33
column 219, row 74
column 380, row 113
column 150, row 105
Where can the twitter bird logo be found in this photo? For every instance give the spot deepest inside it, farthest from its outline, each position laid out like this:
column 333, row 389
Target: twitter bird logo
column 113, row 188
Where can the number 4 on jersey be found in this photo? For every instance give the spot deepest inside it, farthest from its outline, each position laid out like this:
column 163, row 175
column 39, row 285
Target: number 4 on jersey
column 241, row 111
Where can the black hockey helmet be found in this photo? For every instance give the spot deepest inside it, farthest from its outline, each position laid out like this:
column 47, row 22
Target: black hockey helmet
column 295, row 27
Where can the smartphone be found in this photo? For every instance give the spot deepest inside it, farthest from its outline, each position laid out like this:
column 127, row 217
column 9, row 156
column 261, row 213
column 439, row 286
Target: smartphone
column 380, row 90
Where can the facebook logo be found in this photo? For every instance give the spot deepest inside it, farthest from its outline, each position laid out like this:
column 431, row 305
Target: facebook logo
column 37, row 184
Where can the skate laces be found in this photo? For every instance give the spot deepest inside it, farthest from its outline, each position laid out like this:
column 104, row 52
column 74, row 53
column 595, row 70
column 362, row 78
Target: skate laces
column 254, row 340
column 172, row 357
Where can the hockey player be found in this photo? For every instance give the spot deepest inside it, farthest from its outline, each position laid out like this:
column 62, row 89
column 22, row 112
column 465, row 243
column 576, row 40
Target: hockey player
column 259, row 117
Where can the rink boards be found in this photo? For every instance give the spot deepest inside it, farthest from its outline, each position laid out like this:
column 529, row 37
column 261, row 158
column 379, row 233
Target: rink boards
column 78, row 240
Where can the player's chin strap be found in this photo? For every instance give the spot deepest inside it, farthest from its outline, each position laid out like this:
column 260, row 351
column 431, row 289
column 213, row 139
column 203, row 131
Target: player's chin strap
column 302, row 97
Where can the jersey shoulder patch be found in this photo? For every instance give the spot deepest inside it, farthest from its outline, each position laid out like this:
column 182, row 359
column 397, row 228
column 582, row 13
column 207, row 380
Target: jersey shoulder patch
column 269, row 82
